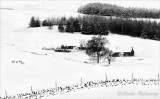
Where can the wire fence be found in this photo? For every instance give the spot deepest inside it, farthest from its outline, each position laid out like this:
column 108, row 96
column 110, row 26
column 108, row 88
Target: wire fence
column 83, row 85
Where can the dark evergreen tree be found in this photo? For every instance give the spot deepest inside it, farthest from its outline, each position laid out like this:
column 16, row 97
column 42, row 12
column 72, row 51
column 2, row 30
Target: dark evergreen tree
column 69, row 27
column 103, row 29
column 144, row 35
column 76, row 25
column 86, row 28
column 45, row 23
column 34, row 22
column 37, row 22
column 63, row 21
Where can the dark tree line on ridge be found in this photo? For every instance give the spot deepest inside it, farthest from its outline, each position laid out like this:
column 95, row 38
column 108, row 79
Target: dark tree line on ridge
column 99, row 25
column 118, row 11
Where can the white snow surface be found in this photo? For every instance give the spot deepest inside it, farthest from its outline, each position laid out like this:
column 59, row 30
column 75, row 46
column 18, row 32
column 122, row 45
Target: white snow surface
column 42, row 68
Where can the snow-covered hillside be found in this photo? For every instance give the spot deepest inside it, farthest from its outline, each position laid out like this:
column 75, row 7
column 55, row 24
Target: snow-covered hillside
column 42, row 68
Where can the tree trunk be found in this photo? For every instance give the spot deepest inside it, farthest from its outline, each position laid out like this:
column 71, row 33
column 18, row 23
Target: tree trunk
column 109, row 61
column 97, row 57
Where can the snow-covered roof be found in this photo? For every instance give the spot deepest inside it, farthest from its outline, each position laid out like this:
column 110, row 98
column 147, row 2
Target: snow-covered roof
column 117, row 49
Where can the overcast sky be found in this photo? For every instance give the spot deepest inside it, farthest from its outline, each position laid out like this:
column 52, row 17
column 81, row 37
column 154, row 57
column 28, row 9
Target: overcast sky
column 124, row 3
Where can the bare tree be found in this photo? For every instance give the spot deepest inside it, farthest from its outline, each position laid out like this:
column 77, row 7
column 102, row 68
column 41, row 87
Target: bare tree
column 95, row 48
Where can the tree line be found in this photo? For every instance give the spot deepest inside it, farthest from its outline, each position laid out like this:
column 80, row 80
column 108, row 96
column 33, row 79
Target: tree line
column 99, row 25
column 135, row 28
column 114, row 10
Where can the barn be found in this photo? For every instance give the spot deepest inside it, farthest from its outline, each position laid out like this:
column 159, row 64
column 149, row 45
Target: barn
column 120, row 53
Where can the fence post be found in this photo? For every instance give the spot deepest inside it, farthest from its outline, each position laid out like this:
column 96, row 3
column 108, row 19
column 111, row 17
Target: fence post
column 81, row 81
column 158, row 79
column 132, row 76
column 106, row 76
column 6, row 93
column 31, row 89
column 56, row 84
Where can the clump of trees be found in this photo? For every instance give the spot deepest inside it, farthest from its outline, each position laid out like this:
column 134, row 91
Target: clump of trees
column 114, row 10
column 96, row 50
column 47, row 23
column 69, row 25
column 89, row 25
column 94, row 25
column 34, row 22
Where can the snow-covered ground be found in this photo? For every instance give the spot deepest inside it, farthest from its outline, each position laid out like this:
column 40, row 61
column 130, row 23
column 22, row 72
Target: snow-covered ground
column 42, row 68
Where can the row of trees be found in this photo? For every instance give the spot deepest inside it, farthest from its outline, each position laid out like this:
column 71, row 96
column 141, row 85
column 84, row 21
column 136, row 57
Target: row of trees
column 114, row 10
column 143, row 29
column 99, row 25
column 35, row 22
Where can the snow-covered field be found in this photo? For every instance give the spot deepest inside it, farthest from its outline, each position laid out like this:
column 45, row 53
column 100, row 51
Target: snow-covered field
column 42, row 68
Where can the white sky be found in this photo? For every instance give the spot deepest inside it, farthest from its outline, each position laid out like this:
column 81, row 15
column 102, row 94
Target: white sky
column 124, row 3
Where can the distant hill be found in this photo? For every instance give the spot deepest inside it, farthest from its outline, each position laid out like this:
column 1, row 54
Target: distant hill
column 7, row 8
